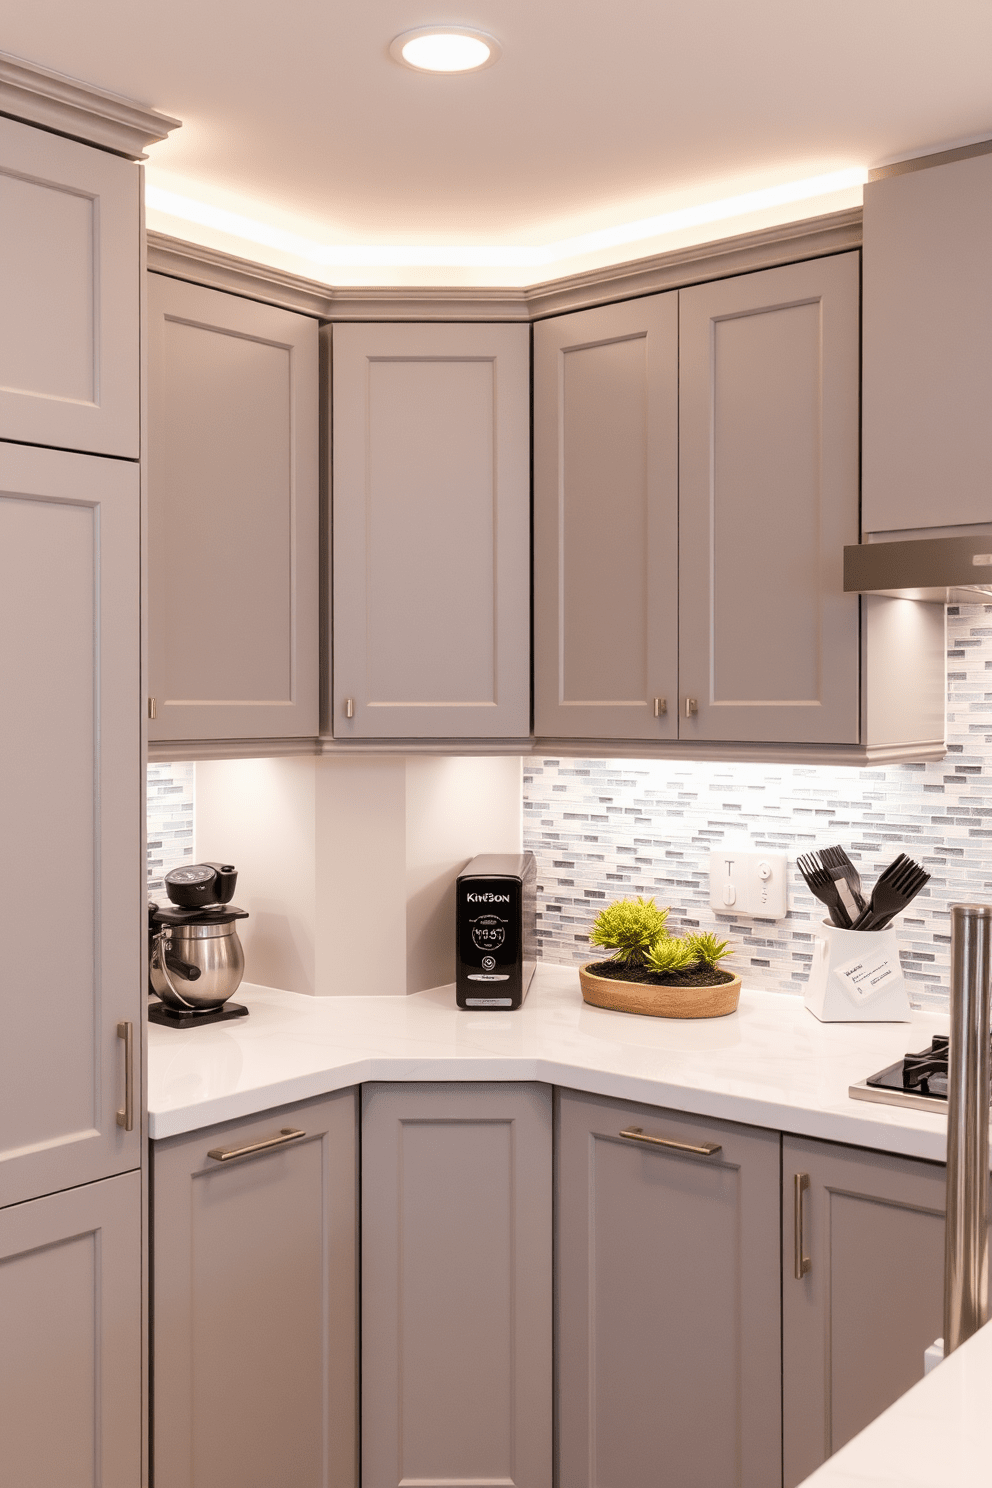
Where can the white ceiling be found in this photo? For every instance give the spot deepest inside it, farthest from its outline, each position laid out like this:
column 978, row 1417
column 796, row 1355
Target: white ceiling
column 294, row 115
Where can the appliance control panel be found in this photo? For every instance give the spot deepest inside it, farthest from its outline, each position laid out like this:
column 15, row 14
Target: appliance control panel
column 748, row 883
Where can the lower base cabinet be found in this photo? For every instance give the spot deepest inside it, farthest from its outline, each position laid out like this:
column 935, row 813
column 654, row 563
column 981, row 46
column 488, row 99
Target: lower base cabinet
column 868, row 1238
column 456, row 1286
column 254, row 1301
column 70, row 1338
column 668, row 1299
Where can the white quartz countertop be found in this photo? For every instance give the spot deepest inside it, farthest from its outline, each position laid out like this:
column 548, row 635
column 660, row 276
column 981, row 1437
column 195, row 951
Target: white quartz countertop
column 937, row 1435
column 770, row 1064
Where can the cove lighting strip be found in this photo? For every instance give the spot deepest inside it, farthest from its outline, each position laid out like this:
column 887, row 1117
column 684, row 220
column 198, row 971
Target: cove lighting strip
column 354, row 255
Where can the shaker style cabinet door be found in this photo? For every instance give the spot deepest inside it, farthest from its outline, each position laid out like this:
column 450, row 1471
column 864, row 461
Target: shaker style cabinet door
column 768, row 496
column 668, row 1306
column 456, row 1285
column 927, row 455
column 233, row 516
column 69, row 294
column 70, row 815
column 856, row 1324
column 70, row 1338
column 606, row 581
column 431, row 522
column 254, row 1301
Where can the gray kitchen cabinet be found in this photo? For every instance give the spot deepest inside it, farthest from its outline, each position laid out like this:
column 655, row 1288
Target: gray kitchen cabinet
column 696, row 469
column 668, row 1300
column 456, row 1285
column 927, row 457
column 769, row 643
column 254, row 1301
column 70, row 756
column 70, row 1338
column 606, row 522
column 431, row 531
column 856, row 1324
column 69, row 293
column 233, row 515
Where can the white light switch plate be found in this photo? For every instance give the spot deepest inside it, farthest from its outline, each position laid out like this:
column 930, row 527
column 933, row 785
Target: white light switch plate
column 750, row 883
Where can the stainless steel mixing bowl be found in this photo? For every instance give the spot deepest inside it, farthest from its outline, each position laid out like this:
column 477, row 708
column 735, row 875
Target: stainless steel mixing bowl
column 215, row 951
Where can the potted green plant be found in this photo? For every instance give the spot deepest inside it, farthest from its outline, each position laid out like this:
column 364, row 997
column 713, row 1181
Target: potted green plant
column 652, row 971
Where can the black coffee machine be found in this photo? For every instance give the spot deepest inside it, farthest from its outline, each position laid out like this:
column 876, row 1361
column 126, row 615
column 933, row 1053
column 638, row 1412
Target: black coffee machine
column 195, row 957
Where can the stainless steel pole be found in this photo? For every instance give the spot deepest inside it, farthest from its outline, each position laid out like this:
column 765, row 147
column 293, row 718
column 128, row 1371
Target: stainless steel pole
column 966, row 1243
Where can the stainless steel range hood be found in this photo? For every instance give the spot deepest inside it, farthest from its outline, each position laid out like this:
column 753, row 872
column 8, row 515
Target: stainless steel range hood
column 954, row 570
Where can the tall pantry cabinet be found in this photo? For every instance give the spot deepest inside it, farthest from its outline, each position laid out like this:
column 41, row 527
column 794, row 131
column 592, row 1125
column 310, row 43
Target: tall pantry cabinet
column 70, row 766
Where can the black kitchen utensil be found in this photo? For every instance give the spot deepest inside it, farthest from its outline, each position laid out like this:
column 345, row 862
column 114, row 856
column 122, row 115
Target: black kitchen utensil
column 821, row 881
column 896, row 887
column 836, row 860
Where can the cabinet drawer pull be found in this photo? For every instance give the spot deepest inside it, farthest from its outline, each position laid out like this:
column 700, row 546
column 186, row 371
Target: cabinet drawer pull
column 349, row 707
column 803, row 1263
column 660, row 707
column 704, row 1149
column 125, row 1118
column 691, row 707
column 225, row 1154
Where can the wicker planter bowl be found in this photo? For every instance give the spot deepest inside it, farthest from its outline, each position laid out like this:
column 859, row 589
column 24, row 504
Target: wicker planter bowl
column 659, row 1002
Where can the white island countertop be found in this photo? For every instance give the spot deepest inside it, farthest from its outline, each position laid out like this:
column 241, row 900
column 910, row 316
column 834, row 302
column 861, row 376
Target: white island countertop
column 770, row 1064
column 937, row 1435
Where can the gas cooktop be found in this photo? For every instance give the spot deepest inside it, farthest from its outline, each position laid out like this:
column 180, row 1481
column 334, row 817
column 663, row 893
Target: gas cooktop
column 916, row 1080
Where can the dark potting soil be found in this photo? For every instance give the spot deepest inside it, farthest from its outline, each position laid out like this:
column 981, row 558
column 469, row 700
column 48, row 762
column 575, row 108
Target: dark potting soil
column 695, row 976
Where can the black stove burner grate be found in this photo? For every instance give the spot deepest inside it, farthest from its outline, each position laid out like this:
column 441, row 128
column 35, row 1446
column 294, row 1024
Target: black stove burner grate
column 924, row 1073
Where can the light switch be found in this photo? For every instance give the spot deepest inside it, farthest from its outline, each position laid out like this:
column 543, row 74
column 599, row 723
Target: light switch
column 749, row 883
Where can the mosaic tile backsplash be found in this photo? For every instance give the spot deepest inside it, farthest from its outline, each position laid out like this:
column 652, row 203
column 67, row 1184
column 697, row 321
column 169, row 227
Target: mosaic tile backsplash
column 170, row 822
column 603, row 829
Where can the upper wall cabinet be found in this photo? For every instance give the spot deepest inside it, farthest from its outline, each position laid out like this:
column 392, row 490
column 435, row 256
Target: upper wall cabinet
column 768, row 496
column 233, row 550
column 431, row 462
column 69, row 294
column 695, row 481
column 606, row 522
column 928, row 348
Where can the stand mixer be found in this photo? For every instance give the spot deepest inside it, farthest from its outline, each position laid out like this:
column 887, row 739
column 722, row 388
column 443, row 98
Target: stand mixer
column 195, row 957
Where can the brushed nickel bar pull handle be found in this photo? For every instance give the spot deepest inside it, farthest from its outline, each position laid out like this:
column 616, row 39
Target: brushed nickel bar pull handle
column 349, row 707
column 803, row 1263
column 703, row 1149
column 691, row 707
column 660, row 707
column 226, row 1154
column 125, row 1118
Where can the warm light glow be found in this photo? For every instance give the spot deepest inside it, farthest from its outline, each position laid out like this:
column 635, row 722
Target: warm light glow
column 445, row 53
column 454, row 49
column 536, row 256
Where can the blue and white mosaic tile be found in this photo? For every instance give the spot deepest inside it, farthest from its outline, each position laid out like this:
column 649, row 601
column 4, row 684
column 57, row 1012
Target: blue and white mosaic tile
column 602, row 829
column 170, row 821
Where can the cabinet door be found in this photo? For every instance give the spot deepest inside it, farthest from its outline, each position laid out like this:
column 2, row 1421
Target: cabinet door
column 254, row 1301
column 856, row 1325
column 668, row 1307
column 69, row 282
column 768, row 496
column 606, row 532
column 928, row 348
column 233, row 516
column 71, row 870
column 431, row 531
column 70, row 1325
column 456, row 1285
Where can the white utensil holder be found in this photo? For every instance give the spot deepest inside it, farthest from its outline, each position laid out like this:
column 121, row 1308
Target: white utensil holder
column 856, row 977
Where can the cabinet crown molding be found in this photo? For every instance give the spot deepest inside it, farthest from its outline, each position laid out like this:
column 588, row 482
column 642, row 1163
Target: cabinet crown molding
column 36, row 95
column 812, row 237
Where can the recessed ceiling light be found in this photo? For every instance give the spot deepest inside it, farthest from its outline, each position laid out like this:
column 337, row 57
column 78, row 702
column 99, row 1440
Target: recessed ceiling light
column 445, row 49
